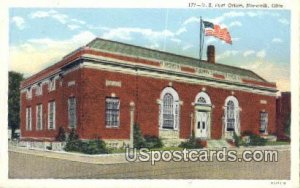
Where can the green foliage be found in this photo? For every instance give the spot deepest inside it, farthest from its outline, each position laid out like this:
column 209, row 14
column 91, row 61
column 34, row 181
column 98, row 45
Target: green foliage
column 14, row 79
column 149, row 141
column 287, row 129
column 237, row 140
column 61, row 135
column 153, row 142
column 96, row 146
column 256, row 140
column 138, row 139
column 191, row 143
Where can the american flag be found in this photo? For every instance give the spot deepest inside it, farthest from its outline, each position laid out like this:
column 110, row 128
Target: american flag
column 216, row 31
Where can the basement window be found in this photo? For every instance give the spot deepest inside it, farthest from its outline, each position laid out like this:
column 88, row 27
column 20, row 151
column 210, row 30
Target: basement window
column 112, row 112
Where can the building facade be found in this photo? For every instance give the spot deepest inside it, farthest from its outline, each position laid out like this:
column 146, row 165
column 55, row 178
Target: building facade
column 95, row 88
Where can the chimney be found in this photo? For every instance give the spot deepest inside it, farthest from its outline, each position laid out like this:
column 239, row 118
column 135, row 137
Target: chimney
column 210, row 54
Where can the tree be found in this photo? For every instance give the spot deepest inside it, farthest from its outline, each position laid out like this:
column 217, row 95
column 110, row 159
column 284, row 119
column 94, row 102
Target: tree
column 14, row 79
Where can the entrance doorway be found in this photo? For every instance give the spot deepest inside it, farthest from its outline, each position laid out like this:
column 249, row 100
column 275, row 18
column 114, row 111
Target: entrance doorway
column 202, row 123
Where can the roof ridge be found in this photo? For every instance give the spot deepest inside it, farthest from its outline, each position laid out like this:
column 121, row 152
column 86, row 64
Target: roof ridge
column 173, row 54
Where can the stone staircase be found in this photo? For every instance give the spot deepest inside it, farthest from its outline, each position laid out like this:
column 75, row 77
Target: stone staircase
column 218, row 144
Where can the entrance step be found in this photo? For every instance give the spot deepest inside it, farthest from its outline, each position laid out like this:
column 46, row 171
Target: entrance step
column 218, row 144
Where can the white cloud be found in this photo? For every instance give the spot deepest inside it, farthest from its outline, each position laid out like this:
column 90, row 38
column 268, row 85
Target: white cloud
column 19, row 22
column 178, row 41
column 283, row 21
column 248, row 53
column 261, row 54
column 235, row 23
column 211, row 40
column 277, row 40
column 191, row 20
column 272, row 72
column 235, row 39
column 186, row 47
column 73, row 26
column 61, row 18
column 226, row 54
column 181, row 30
column 36, row 54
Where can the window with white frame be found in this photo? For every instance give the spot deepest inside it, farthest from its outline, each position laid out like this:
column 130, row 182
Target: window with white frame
column 29, row 93
column 263, row 122
column 38, row 89
column 39, row 117
column 52, row 84
column 169, row 109
column 28, row 119
column 230, row 116
column 112, row 112
column 51, row 115
column 72, row 112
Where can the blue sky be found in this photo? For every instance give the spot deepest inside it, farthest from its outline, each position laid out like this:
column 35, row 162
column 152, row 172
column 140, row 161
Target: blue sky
column 261, row 39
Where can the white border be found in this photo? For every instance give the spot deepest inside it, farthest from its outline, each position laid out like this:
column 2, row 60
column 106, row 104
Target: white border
column 4, row 181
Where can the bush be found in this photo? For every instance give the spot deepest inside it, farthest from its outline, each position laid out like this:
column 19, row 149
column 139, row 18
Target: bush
column 237, row 140
column 138, row 139
column 256, row 140
column 61, row 135
column 192, row 143
column 96, row 146
column 152, row 142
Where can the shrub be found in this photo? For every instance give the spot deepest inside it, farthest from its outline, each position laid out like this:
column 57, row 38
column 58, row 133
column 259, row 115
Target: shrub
column 237, row 140
column 97, row 146
column 138, row 139
column 256, row 140
column 152, row 142
column 61, row 135
column 192, row 143
column 73, row 142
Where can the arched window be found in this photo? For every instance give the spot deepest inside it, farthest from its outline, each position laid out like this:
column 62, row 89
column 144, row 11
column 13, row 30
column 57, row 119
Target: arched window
column 203, row 99
column 232, row 114
column 169, row 112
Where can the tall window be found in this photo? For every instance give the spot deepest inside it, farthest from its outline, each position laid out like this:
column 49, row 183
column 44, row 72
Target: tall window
column 169, row 110
column 28, row 119
column 51, row 115
column 39, row 117
column 72, row 112
column 51, row 85
column 230, row 116
column 263, row 122
column 112, row 112
column 39, row 89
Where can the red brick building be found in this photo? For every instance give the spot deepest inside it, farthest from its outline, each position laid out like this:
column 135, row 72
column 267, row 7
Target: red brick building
column 93, row 90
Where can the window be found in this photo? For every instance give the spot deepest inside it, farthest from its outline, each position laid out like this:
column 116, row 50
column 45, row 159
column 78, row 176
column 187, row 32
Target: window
column 39, row 117
column 230, row 116
column 29, row 93
column 28, row 119
column 263, row 122
column 38, row 89
column 201, row 100
column 112, row 112
column 51, row 85
column 72, row 112
column 51, row 115
column 169, row 110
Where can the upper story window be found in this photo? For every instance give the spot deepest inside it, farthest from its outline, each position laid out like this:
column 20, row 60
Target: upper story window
column 28, row 119
column 112, row 112
column 52, row 84
column 51, row 115
column 29, row 93
column 72, row 118
column 263, row 122
column 39, row 117
column 169, row 111
column 38, row 89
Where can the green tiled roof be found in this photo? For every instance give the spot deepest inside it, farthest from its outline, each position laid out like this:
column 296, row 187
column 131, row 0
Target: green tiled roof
column 132, row 50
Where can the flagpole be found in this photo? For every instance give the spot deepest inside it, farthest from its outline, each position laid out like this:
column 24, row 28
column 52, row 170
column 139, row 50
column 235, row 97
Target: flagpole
column 200, row 40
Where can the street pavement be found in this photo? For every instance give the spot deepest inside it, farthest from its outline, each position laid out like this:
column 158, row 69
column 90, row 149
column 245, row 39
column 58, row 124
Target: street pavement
column 24, row 165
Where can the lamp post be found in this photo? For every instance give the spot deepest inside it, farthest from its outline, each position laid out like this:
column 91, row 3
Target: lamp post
column 132, row 108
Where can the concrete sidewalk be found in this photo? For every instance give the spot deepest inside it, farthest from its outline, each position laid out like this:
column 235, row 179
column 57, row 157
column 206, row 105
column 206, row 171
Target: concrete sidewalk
column 117, row 158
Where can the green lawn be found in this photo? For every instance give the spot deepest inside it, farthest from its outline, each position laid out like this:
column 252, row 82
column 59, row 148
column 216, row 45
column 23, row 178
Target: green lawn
column 277, row 143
